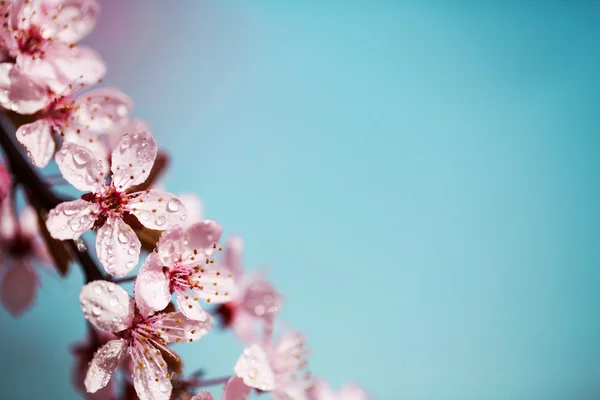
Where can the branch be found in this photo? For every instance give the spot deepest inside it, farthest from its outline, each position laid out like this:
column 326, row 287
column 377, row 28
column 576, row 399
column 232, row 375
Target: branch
column 39, row 194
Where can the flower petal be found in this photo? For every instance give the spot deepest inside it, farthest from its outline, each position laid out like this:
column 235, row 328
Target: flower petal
column 91, row 141
column 260, row 297
column 156, row 209
column 20, row 92
column 105, row 362
column 190, row 307
column 213, row 284
column 80, row 167
column 150, row 375
column 118, row 247
column 132, row 159
column 170, row 246
column 151, row 287
column 203, row 236
column 353, row 392
column 203, row 395
column 107, row 306
column 69, row 21
column 113, row 138
column 102, row 109
column 71, row 219
column 254, row 369
column 232, row 257
column 235, row 389
column 37, row 139
column 79, row 64
column 179, row 327
column 18, row 289
column 194, row 206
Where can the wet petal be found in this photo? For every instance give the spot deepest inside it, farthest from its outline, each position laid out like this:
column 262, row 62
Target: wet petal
column 71, row 219
column 260, row 297
column 179, row 327
column 69, row 21
column 20, row 92
column 118, row 247
column 91, row 141
column 156, row 209
column 204, row 236
column 102, row 109
column 190, row 307
column 18, row 289
column 150, row 375
column 105, row 362
column 235, row 389
column 37, row 139
column 151, row 287
column 79, row 65
column 107, row 306
column 80, row 167
column 114, row 137
column 194, row 206
column 132, row 159
column 206, row 396
column 254, row 369
column 170, row 247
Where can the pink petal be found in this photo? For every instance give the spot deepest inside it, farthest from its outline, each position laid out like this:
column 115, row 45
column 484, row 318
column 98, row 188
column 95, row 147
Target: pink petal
column 235, row 389
column 190, row 308
column 151, row 287
column 145, row 373
column 114, row 137
column 37, row 139
column 254, row 369
column 80, row 167
column 233, row 251
column 352, row 391
column 194, row 206
column 71, row 219
column 191, row 246
column 171, row 248
column 179, row 327
column 102, row 109
column 18, row 289
column 105, row 362
column 21, row 92
column 203, row 236
column 107, row 306
column 69, row 21
column 205, row 396
column 91, row 142
column 214, row 284
column 247, row 327
column 133, row 159
column 156, row 209
column 261, row 298
column 5, row 183
column 118, row 247
column 80, row 64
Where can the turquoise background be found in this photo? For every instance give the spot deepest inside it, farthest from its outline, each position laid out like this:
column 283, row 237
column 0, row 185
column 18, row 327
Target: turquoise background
column 421, row 179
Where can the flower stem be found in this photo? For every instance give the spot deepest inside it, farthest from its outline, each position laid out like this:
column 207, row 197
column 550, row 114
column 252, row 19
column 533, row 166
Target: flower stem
column 39, row 194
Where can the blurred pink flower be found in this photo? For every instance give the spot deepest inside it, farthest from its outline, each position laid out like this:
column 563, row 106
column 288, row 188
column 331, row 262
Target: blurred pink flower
column 110, row 308
column 40, row 36
column 117, row 245
column 350, row 391
column 20, row 250
column 256, row 302
column 5, row 183
column 77, row 118
column 234, row 390
column 182, row 265
column 277, row 367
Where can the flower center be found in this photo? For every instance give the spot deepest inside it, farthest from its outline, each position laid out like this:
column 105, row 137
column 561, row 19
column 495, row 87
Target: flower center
column 31, row 42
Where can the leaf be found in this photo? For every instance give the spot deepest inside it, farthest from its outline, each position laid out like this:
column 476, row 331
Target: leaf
column 57, row 248
column 158, row 169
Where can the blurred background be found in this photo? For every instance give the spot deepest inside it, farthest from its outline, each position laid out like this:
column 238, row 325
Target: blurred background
column 420, row 178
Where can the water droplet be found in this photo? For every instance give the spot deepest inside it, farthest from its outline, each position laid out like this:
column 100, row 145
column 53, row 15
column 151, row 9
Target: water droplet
column 113, row 301
column 97, row 289
column 173, row 205
column 96, row 310
column 130, row 265
column 111, row 286
column 81, row 157
column 121, row 110
column 163, row 388
column 160, row 221
column 122, row 237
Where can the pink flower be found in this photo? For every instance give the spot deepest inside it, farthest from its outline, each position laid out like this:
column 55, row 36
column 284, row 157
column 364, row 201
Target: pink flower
column 39, row 37
column 278, row 367
column 110, row 308
column 194, row 206
column 182, row 264
column 256, row 301
column 76, row 118
column 83, row 352
column 234, row 390
column 20, row 250
column 350, row 391
column 104, row 208
column 5, row 183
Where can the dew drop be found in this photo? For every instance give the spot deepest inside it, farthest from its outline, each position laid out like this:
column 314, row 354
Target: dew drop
column 113, row 301
column 160, row 221
column 163, row 388
column 96, row 311
column 122, row 238
column 173, row 205
column 81, row 157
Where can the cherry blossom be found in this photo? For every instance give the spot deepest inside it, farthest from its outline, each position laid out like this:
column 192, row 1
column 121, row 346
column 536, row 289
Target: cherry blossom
column 182, row 264
column 234, row 390
column 40, row 39
column 77, row 118
column 106, row 205
column 277, row 367
column 256, row 301
column 350, row 391
column 5, row 183
column 21, row 249
column 110, row 308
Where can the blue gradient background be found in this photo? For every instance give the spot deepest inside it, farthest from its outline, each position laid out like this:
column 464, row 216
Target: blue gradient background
column 421, row 179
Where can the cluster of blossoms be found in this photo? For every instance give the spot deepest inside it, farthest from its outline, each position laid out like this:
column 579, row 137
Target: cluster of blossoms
column 47, row 91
